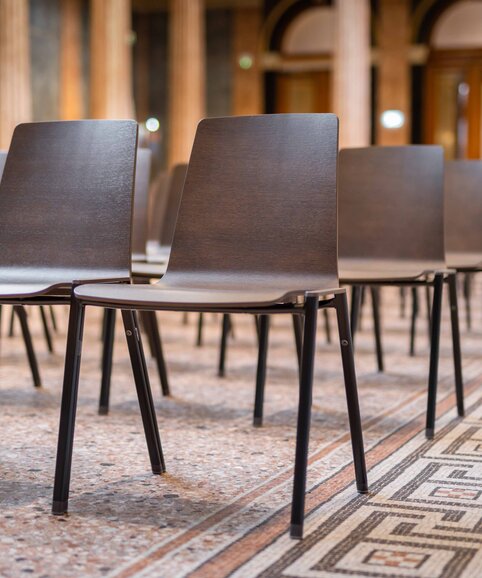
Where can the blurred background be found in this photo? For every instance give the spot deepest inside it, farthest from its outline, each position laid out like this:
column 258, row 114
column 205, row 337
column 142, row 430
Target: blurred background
column 395, row 71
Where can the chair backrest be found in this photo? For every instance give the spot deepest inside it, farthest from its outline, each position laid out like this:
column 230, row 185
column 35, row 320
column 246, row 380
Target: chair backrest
column 174, row 195
column 391, row 203
column 259, row 202
column 3, row 158
column 157, row 205
column 66, row 201
column 463, row 198
column 141, row 199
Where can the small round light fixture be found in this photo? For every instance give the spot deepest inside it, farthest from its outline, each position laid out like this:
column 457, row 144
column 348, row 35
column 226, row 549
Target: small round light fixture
column 245, row 61
column 152, row 124
column 392, row 119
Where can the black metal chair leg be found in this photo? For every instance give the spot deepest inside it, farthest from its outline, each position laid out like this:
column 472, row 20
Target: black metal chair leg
column 355, row 309
column 467, row 297
column 27, row 338
column 348, row 361
column 222, row 349
column 158, row 351
column 403, row 302
column 107, row 352
column 200, row 323
column 434, row 355
column 298, row 333
column 144, row 394
column 48, row 337
column 327, row 325
column 53, row 318
column 304, row 418
column 454, row 318
column 377, row 326
column 429, row 315
column 261, row 370
column 10, row 327
column 413, row 321
column 68, row 408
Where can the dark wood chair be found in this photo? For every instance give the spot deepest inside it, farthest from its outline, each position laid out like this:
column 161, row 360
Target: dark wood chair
column 22, row 316
column 65, row 205
column 139, row 256
column 266, row 244
column 391, row 227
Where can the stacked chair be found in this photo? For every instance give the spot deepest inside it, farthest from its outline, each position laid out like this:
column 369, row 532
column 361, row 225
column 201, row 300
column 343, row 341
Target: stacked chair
column 266, row 244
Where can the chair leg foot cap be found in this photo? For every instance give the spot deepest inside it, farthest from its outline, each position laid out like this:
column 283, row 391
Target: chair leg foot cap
column 103, row 410
column 257, row 421
column 429, row 433
column 362, row 490
column 59, row 508
column 461, row 413
column 296, row 531
column 158, row 470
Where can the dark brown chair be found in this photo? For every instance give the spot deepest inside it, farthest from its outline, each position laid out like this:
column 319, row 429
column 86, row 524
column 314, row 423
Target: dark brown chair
column 22, row 316
column 391, row 227
column 463, row 197
column 141, row 200
column 463, row 230
column 265, row 187
column 149, row 322
column 65, row 205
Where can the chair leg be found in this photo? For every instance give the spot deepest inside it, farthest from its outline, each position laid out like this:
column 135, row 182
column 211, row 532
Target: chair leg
column 434, row 355
column 327, row 325
column 222, row 349
column 107, row 352
column 32, row 359
column 403, row 302
column 145, row 321
column 158, row 352
column 355, row 309
column 144, row 394
column 261, row 370
column 10, row 327
column 413, row 322
column 200, row 321
column 377, row 326
column 429, row 316
column 467, row 295
column 304, row 418
column 351, row 393
column 454, row 318
column 298, row 332
column 48, row 337
column 53, row 318
column 68, row 408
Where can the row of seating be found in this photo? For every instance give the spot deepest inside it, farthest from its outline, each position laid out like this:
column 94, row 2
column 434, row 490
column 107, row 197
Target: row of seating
column 257, row 233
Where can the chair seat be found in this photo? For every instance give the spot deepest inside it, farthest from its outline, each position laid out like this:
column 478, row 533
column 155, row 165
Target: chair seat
column 149, row 270
column 17, row 282
column 380, row 270
column 165, row 295
column 459, row 260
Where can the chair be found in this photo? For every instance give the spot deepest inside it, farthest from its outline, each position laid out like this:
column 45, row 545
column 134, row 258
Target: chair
column 265, row 188
column 391, row 224
column 149, row 322
column 22, row 316
column 65, row 204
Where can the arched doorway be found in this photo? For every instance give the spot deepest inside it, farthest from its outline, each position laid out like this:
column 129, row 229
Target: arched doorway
column 453, row 96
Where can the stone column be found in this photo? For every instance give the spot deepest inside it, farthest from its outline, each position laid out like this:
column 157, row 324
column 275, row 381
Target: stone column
column 393, row 90
column 15, row 89
column 111, row 59
column 186, row 76
column 71, row 97
column 351, row 86
column 247, row 83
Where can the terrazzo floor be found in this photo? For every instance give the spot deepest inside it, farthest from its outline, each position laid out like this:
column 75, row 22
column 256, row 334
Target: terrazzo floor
column 224, row 478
